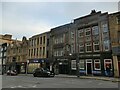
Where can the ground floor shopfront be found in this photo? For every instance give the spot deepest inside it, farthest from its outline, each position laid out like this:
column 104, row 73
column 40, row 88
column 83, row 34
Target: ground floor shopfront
column 94, row 64
column 20, row 67
column 37, row 63
column 88, row 64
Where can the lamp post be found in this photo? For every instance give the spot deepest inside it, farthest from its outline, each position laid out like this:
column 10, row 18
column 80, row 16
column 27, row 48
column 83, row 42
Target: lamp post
column 27, row 67
column 77, row 65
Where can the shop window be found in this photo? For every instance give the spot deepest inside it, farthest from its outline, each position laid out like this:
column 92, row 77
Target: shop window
column 81, row 64
column 97, row 65
column 72, row 35
column 107, row 62
column 73, row 64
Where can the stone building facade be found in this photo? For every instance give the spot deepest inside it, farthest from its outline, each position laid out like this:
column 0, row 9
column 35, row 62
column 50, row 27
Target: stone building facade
column 60, row 50
column 5, row 40
column 114, row 27
column 93, row 44
column 17, row 53
column 38, row 51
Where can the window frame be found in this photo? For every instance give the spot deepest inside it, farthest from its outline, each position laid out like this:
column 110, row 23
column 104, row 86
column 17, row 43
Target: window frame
column 88, row 45
column 95, row 45
column 83, row 62
column 97, row 63
column 73, row 64
column 107, row 63
column 88, row 30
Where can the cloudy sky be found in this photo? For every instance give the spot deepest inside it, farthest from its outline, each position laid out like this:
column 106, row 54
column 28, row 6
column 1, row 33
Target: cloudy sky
column 31, row 18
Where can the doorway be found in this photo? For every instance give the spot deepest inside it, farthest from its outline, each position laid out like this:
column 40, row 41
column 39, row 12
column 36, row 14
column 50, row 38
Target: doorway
column 88, row 67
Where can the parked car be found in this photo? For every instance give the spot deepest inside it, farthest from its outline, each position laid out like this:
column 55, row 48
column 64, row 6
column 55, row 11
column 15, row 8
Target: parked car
column 43, row 72
column 12, row 72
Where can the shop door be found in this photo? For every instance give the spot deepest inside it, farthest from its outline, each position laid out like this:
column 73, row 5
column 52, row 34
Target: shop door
column 89, row 66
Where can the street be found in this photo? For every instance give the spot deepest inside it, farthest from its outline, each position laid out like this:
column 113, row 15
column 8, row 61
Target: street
column 28, row 81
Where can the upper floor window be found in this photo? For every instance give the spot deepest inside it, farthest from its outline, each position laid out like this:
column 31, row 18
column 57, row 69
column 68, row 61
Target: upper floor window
column 95, row 30
column 81, row 48
column 87, row 32
column 80, row 33
column 105, row 27
column 96, row 46
column 118, row 19
column 88, row 38
column 72, row 35
column 88, row 47
column 82, row 64
column 44, row 39
column 40, row 40
column 106, row 45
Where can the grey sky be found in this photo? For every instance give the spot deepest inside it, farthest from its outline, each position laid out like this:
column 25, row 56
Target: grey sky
column 30, row 18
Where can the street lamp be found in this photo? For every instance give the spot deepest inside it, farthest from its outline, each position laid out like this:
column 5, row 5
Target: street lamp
column 27, row 67
column 77, row 65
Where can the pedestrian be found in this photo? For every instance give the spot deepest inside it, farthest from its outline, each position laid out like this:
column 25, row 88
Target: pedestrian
column 108, row 70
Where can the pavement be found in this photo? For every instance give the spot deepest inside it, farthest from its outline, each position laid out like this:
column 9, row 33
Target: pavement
column 91, row 77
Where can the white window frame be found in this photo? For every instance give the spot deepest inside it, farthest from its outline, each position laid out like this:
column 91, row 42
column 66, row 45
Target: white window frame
column 97, row 63
column 105, row 45
column 73, row 64
column 88, row 45
column 88, row 30
column 80, row 31
column 94, row 28
column 94, row 46
column 107, row 63
column 80, row 47
column 104, row 27
column 81, row 62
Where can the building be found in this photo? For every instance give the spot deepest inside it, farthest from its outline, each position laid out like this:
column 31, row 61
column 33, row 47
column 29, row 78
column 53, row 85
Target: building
column 5, row 40
column 38, row 51
column 59, row 46
column 17, row 53
column 114, row 27
column 93, row 42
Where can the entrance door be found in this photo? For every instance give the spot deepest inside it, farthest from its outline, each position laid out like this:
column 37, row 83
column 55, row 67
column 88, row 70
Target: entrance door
column 89, row 66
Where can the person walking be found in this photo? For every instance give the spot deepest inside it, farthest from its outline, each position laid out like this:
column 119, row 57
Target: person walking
column 108, row 70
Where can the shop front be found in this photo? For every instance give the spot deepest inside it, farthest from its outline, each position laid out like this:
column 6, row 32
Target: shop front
column 37, row 63
column 95, row 64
